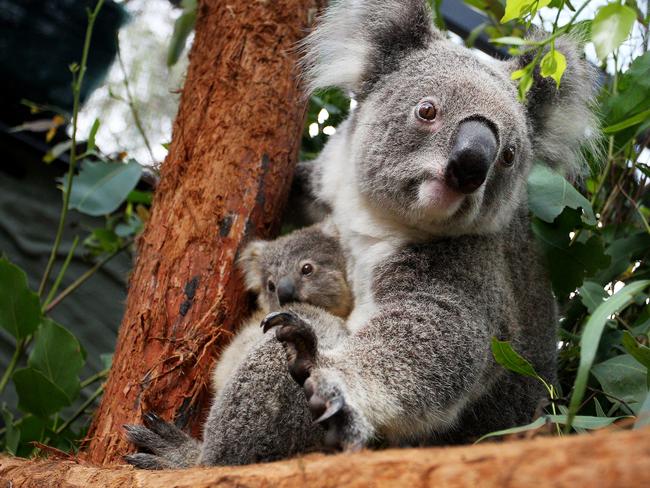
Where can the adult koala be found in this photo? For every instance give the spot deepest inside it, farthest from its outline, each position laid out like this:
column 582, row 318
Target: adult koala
column 427, row 185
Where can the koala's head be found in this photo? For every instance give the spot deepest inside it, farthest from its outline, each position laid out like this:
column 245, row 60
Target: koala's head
column 439, row 140
column 304, row 266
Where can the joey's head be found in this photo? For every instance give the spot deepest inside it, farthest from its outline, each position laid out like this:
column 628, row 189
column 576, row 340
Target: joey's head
column 440, row 141
column 305, row 266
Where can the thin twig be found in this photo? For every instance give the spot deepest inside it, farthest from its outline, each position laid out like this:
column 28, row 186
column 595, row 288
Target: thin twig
column 82, row 279
column 78, row 78
column 62, row 271
column 80, row 410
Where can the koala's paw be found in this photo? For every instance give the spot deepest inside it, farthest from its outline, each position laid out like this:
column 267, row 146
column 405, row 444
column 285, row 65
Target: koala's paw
column 345, row 427
column 298, row 339
column 165, row 445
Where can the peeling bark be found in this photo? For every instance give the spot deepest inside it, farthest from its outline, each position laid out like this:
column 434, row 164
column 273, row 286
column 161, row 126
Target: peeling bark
column 225, row 180
column 606, row 459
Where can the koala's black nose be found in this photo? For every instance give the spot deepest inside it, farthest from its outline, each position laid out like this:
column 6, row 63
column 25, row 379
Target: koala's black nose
column 474, row 151
column 286, row 290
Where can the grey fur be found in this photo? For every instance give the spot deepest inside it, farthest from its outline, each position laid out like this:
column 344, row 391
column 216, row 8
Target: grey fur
column 433, row 281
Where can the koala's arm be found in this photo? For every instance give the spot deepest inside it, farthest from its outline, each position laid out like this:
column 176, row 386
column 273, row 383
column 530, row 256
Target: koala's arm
column 420, row 357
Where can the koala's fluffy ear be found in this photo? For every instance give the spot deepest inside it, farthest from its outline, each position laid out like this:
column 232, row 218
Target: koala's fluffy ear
column 562, row 120
column 249, row 263
column 357, row 41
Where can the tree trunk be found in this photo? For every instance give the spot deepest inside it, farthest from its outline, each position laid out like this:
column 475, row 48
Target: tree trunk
column 226, row 179
column 604, row 460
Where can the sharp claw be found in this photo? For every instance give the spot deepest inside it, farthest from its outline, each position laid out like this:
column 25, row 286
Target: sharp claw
column 150, row 418
column 333, row 406
column 274, row 319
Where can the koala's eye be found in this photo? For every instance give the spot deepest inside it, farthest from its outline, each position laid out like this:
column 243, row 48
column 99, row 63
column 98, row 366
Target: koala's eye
column 508, row 156
column 426, row 111
column 307, row 269
column 271, row 286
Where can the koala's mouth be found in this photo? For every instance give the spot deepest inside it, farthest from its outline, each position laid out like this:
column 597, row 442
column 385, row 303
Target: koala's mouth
column 437, row 198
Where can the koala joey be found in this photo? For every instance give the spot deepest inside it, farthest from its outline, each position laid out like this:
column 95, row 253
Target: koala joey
column 426, row 182
column 303, row 272
column 306, row 266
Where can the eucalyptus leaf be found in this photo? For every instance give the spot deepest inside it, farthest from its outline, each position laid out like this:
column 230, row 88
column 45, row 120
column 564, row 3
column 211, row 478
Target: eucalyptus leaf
column 37, row 394
column 12, row 434
column 580, row 422
column 58, row 356
column 592, row 295
column 90, row 143
column 549, row 193
column 591, row 337
column 101, row 187
column 643, row 417
column 183, row 27
column 623, row 377
column 20, row 309
column 507, row 357
column 610, row 27
column 638, row 351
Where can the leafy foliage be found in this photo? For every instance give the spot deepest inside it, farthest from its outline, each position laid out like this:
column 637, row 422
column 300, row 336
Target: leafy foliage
column 48, row 358
column 595, row 237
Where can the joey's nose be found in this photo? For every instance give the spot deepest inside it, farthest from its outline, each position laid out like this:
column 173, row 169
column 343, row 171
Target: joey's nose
column 286, row 290
column 472, row 155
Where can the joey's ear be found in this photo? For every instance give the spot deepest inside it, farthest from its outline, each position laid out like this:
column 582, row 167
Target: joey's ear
column 562, row 119
column 249, row 263
column 357, row 41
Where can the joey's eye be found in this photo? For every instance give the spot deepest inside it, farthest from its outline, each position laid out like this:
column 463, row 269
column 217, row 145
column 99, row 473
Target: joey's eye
column 271, row 286
column 307, row 269
column 508, row 156
column 426, row 111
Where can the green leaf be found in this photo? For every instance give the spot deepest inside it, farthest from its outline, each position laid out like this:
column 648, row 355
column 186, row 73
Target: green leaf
column 623, row 377
column 12, row 434
column 513, row 41
column 549, row 193
column 540, row 422
column 638, row 351
column 107, row 360
column 592, row 295
column 31, row 429
column 580, row 422
column 137, row 196
column 507, row 357
column 183, row 27
column 37, row 394
column 518, row 9
column 101, row 187
column 634, row 120
column 90, row 143
column 610, row 27
column 553, row 65
column 57, row 354
column 568, row 264
column 643, row 417
column 591, row 337
column 20, row 309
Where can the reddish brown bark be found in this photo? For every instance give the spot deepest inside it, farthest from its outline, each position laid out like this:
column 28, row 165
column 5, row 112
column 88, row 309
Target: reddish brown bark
column 225, row 180
column 601, row 460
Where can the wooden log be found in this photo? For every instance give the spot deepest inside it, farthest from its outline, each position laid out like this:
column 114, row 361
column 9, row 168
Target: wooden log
column 606, row 459
column 225, row 180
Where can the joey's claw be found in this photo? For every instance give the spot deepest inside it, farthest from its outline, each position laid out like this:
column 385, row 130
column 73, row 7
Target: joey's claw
column 298, row 339
column 278, row 318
